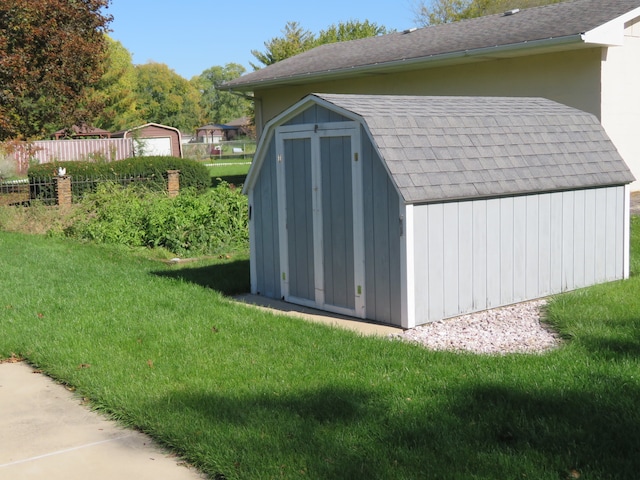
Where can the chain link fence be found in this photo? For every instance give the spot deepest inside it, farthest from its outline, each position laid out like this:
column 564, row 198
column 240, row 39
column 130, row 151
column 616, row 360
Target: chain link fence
column 233, row 150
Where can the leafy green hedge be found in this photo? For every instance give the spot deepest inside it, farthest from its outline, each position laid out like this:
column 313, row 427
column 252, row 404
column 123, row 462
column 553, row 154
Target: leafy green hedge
column 153, row 169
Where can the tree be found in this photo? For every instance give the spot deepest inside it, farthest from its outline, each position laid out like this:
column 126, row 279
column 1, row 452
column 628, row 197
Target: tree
column 51, row 51
column 116, row 91
column 219, row 106
column 446, row 11
column 440, row 11
column 165, row 97
column 350, row 30
column 479, row 8
column 297, row 40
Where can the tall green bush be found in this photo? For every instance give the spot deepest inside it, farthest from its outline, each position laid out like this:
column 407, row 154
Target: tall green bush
column 190, row 224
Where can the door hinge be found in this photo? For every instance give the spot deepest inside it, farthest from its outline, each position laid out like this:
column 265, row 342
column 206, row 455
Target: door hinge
column 355, row 156
column 401, row 225
column 279, row 158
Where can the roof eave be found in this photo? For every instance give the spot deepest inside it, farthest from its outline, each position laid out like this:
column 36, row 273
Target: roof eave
column 610, row 33
column 518, row 193
column 463, row 56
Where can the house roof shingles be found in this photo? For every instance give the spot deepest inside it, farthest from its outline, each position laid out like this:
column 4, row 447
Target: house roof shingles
column 547, row 23
column 452, row 148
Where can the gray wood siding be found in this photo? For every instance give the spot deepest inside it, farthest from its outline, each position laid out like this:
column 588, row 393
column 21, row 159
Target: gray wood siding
column 475, row 255
column 337, row 212
column 382, row 240
column 297, row 153
column 265, row 240
column 316, row 114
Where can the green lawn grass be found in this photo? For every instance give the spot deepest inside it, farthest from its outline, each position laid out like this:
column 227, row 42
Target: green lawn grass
column 233, row 172
column 245, row 394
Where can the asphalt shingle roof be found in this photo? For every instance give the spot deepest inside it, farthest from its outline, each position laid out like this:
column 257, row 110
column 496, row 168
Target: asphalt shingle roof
column 452, row 148
column 547, row 23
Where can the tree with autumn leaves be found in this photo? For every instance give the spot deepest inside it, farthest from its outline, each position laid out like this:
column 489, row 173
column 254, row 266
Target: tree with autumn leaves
column 51, row 53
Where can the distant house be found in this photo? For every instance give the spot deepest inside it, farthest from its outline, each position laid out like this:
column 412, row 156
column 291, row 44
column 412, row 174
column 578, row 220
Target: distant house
column 216, row 132
column 582, row 53
column 153, row 139
column 211, row 133
column 82, row 131
column 240, row 126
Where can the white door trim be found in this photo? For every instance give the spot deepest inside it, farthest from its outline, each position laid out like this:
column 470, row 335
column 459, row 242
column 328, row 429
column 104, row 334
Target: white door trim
column 315, row 132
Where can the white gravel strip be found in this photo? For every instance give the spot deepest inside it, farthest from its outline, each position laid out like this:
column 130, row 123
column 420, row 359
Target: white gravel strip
column 512, row 329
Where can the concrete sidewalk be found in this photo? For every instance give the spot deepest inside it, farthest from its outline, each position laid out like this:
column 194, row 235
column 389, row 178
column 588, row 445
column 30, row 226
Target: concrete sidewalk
column 47, row 434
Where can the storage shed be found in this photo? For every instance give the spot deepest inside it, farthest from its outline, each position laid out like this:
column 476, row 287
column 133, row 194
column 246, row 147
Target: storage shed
column 154, row 139
column 411, row 209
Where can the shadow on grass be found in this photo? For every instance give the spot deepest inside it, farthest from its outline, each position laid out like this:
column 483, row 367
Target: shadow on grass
column 228, row 278
column 613, row 348
column 593, row 431
column 483, row 431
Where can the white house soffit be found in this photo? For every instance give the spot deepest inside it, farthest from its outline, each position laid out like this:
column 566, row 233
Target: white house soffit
column 612, row 32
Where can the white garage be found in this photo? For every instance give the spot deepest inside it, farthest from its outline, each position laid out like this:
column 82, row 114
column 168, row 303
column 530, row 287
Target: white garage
column 160, row 146
column 153, row 139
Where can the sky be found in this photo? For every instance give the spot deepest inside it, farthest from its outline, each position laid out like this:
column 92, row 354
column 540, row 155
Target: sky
column 191, row 36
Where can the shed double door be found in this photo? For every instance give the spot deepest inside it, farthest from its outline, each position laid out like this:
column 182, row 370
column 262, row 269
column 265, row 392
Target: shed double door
column 321, row 230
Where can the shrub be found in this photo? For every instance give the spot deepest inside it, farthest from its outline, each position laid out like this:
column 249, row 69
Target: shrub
column 152, row 169
column 192, row 173
column 211, row 223
column 112, row 214
column 190, row 224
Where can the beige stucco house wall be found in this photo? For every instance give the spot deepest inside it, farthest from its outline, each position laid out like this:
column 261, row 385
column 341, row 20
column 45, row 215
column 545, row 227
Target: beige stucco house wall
column 571, row 77
column 620, row 97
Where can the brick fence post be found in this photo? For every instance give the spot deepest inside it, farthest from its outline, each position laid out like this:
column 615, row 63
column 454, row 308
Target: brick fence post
column 63, row 190
column 173, row 182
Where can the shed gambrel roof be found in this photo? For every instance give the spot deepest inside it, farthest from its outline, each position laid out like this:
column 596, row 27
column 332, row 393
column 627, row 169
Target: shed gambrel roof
column 453, row 148
column 560, row 26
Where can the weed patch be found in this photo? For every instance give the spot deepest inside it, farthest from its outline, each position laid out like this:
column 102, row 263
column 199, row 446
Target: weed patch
column 190, row 224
